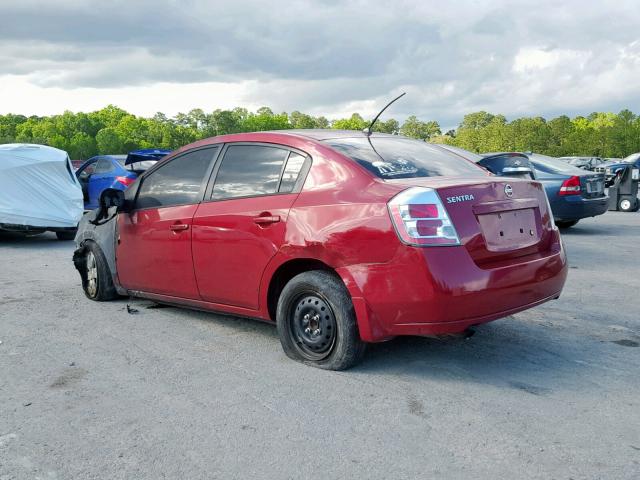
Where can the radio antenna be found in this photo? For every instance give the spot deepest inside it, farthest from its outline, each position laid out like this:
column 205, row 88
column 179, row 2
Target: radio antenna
column 367, row 131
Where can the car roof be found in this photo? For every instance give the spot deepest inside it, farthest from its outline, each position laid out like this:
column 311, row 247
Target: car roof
column 329, row 134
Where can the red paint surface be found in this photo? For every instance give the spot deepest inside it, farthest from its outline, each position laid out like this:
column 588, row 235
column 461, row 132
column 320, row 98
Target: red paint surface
column 225, row 260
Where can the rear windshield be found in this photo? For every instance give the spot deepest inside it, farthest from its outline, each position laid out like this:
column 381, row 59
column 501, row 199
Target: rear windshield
column 553, row 165
column 474, row 157
column 398, row 157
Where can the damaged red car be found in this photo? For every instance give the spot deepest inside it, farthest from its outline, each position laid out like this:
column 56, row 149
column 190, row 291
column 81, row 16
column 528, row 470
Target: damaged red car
column 341, row 238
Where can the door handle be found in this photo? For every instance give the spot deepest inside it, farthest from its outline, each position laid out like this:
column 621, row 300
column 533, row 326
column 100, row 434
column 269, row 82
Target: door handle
column 267, row 219
column 178, row 227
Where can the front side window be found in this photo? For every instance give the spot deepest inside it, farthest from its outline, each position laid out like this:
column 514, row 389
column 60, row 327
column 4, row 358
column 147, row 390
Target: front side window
column 249, row 170
column 398, row 157
column 87, row 171
column 178, row 182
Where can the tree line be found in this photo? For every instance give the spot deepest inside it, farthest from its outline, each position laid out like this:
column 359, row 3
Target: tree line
column 114, row 130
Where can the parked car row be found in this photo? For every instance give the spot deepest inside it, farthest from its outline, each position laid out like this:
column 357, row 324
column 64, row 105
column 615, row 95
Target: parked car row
column 613, row 169
column 586, row 163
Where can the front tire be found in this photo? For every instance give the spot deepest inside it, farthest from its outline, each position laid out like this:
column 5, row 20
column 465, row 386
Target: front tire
column 317, row 323
column 566, row 223
column 96, row 277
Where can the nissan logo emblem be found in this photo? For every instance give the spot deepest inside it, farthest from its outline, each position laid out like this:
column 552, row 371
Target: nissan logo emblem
column 508, row 190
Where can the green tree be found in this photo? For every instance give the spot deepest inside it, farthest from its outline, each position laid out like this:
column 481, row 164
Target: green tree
column 414, row 128
column 109, row 141
column 355, row 122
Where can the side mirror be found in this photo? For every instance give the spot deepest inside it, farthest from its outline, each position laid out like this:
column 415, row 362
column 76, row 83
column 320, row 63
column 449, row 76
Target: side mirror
column 110, row 197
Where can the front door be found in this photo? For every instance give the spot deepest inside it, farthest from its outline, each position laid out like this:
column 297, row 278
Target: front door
column 154, row 247
column 242, row 225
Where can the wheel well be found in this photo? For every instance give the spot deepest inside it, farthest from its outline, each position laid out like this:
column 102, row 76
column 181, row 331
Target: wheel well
column 286, row 272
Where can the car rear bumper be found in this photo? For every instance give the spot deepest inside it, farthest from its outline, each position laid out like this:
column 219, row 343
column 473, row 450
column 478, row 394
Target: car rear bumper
column 575, row 207
column 441, row 290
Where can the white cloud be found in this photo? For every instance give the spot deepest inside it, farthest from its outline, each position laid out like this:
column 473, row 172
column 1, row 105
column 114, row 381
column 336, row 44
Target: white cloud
column 328, row 57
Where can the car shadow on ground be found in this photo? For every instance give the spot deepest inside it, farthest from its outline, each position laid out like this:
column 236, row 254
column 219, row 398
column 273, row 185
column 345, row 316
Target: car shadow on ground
column 42, row 240
column 512, row 353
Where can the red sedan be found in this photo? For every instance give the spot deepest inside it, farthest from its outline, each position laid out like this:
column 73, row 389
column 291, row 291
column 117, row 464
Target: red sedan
column 339, row 237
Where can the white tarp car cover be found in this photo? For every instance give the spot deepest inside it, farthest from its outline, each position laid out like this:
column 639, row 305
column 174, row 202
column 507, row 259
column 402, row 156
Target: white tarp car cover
column 37, row 187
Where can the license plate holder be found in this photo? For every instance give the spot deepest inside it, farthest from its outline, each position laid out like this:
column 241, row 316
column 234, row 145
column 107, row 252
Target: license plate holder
column 510, row 230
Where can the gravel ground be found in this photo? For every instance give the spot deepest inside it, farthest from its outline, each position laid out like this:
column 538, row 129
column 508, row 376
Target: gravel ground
column 88, row 390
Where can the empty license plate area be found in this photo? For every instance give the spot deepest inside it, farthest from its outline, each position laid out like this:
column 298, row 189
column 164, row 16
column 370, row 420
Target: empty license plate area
column 509, row 230
column 595, row 186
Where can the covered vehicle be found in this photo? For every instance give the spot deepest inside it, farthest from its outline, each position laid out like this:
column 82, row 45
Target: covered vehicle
column 338, row 237
column 507, row 164
column 38, row 191
column 114, row 171
column 573, row 193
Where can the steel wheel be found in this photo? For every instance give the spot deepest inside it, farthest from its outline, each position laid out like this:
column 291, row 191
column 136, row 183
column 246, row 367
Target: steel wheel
column 312, row 324
column 92, row 275
column 625, row 205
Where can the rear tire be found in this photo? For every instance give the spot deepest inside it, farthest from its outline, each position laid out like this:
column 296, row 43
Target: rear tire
column 566, row 223
column 96, row 278
column 66, row 234
column 317, row 323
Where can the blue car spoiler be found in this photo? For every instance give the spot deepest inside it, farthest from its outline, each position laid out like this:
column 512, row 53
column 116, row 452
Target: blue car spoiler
column 145, row 155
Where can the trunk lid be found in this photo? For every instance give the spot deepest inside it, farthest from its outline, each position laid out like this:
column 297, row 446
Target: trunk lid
column 592, row 185
column 496, row 218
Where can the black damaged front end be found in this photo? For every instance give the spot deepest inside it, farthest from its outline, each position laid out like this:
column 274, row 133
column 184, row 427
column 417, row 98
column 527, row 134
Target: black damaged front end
column 104, row 234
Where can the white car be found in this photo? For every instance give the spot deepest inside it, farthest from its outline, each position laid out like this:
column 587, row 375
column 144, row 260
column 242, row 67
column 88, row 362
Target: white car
column 38, row 191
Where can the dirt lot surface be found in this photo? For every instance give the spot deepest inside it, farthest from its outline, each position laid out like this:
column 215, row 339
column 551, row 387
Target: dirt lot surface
column 90, row 391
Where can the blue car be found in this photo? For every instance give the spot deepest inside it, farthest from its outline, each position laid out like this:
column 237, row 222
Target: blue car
column 113, row 171
column 573, row 193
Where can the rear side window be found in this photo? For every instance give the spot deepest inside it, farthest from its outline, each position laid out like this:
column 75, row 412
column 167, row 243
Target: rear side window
column 249, row 170
column 291, row 173
column 104, row 165
column 177, row 182
column 398, row 157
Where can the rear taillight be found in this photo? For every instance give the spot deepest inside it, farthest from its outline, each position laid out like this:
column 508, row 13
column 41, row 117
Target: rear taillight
column 421, row 219
column 126, row 181
column 571, row 186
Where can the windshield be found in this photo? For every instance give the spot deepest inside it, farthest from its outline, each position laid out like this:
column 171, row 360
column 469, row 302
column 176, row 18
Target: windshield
column 553, row 165
column 577, row 161
column 399, row 157
column 631, row 158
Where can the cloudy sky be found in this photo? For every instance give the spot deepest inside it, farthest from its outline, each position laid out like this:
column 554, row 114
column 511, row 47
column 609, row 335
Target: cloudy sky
column 328, row 57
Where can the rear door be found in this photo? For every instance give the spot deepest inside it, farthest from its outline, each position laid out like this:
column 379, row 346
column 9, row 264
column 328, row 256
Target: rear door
column 242, row 222
column 154, row 245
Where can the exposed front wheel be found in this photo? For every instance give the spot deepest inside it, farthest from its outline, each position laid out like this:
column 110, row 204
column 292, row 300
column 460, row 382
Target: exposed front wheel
column 96, row 277
column 317, row 323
